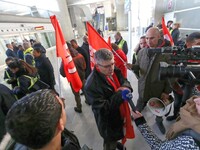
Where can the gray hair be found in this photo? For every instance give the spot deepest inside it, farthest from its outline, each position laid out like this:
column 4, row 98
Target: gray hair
column 103, row 55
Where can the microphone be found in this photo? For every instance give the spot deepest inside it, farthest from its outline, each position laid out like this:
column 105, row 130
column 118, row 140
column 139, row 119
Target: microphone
column 126, row 95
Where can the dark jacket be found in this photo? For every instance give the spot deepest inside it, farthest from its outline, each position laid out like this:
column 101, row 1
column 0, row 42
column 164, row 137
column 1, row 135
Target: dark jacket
column 45, row 70
column 85, row 46
column 6, row 100
column 175, row 36
column 10, row 78
column 10, row 53
column 124, row 47
column 69, row 141
column 25, row 85
column 87, row 59
column 105, row 104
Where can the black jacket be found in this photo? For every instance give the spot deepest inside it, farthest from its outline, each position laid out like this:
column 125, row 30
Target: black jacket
column 45, row 70
column 87, row 59
column 105, row 104
column 6, row 101
column 85, row 46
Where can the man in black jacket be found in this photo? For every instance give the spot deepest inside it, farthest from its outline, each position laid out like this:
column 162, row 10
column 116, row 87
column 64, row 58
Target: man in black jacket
column 7, row 98
column 44, row 66
column 38, row 121
column 103, row 89
column 85, row 46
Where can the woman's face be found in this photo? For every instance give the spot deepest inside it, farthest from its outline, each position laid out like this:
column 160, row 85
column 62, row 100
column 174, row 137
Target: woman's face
column 14, row 70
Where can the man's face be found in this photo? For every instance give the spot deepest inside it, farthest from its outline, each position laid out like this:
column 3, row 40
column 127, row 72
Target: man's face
column 106, row 67
column 197, row 102
column 36, row 54
column 194, row 43
column 74, row 45
column 152, row 38
column 143, row 43
column 117, row 37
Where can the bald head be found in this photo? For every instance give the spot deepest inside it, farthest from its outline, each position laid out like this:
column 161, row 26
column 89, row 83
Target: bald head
column 152, row 37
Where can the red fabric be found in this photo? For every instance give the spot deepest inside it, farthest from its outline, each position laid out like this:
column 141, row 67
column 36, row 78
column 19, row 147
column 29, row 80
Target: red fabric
column 119, row 63
column 125, row 112
column 63, row 52
column 96, row 42
column 166, row 33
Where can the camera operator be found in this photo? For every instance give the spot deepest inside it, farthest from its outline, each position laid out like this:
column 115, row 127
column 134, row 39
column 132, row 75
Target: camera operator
column 148, row 66
column 182, row 94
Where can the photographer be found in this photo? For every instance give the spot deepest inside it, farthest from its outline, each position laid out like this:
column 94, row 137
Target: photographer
column 182, row 93
column 184, row 134
column 148, row 66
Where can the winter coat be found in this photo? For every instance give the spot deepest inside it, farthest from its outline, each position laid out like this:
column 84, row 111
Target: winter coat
column 175, row 36
column 85, row 46
column 86, row 56
column 148, row 84
column 7, row 98
column 45, row 70
column 27, row 83
column 10, row 53
column 105, row 104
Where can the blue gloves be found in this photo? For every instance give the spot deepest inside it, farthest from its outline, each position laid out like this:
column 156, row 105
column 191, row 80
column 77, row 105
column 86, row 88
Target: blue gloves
column 127, row 95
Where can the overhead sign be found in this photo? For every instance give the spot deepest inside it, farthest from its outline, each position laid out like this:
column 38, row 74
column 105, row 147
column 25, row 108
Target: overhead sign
column 39, row 28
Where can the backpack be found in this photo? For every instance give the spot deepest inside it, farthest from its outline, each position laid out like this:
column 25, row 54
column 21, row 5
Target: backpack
column 62, row 71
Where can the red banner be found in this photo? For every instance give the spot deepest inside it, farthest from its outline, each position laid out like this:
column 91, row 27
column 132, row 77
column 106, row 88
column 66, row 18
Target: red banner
column 166, row 33
column 96, row 42
column 63, row 52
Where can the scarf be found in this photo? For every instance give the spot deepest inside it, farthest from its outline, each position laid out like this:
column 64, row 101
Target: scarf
column 189, row 119
column 124, row 111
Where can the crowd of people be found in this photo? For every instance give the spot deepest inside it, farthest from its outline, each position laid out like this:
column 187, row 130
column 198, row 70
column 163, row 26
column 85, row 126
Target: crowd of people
column 34, row 114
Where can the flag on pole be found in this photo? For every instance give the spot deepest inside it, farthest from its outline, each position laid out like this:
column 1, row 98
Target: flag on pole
column 166, row 33
column 96, row 42
column 63, row 52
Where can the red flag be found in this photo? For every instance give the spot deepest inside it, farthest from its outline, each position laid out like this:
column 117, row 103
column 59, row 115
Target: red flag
column 96, row 42
column 63, row 52
column 166, row 33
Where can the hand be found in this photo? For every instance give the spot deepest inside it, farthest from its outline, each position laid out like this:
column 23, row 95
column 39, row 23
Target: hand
column 164, row 96
column 127, row 95
column 129, row 66
column 136, row 114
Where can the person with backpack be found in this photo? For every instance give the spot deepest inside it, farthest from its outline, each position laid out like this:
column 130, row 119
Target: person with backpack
column 27, row 78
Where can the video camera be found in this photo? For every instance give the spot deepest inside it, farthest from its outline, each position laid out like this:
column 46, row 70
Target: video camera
column 179, row 71
column 179, row 55
column 184, row 63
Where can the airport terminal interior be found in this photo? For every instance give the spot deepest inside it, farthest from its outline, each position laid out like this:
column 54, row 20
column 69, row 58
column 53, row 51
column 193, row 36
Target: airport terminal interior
column 25, row 20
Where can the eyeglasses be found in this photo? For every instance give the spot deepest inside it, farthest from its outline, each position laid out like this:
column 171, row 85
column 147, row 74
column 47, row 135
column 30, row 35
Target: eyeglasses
column 106, row 66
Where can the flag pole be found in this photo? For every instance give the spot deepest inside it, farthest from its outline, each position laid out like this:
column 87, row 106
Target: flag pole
column 59, row 81
column 118, row 56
